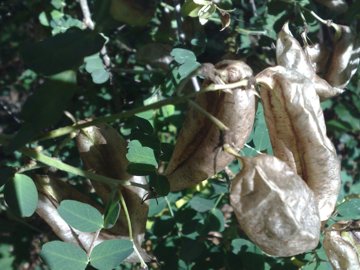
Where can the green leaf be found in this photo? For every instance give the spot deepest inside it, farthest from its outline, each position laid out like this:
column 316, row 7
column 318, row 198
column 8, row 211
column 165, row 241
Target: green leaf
column 140, row 169
column 43, row 19
column 217, row 220
column 338, row 126
column 240, row 243
column 164, row 225
column 60, row 256
column 214, row 222
column 58, row 3
column 95, row 66
column 201, row 204
column 111, row 214
column 100, row 76
column 160, row 184
column 188, row 67
column 182, row 55
column 191, row 249
column 21, row 195
column 81, row 216
column 346, row 116
column 350, row 209
column 44, row 108
column 63, row 51
column 261, row 137
column 206, row 12
column 189, row 8
column 110, row 253
column 140, row 155
column 156, row 206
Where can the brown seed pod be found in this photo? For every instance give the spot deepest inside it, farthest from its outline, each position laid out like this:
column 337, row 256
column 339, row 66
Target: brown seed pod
column 51, row 192
column 318, row 55
column 291, row 55
column 197, row 154
column 103, row 150
column 275, row 207
column 342, row 245
column 298, row 134
column 344, row 59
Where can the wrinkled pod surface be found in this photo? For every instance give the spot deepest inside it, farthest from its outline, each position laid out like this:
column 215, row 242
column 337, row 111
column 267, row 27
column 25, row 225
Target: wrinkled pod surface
column 275, row 207
column 342, row 245
column 197, row 154
column 298, row 134
column 291, row 55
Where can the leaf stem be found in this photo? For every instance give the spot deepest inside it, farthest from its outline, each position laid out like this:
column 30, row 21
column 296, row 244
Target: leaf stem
column 218, row 200
column 96, row 235
column 111, row 118
column 169, row 206
column 52, row 162
column 131, row 237
column 215, row 87
column 230, row 150
column 123, row 115
column 252, row 148
column 212, row 118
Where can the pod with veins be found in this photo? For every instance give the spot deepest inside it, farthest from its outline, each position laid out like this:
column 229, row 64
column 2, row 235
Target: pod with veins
column 275, row 207
column 197, row 154
column 298, row 134
column 291, row 55
column 342, row 245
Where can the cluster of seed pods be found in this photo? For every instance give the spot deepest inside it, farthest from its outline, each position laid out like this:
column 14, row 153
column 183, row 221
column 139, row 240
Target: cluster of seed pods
column 279, row 201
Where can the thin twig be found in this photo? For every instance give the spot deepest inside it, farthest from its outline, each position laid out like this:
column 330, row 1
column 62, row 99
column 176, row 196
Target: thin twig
column 220, row 125
column 131, row 237
column 252, row 148
column 253, row 6
column 52, row 162
column 89, row 23
column 96, row 235
column 123, row 115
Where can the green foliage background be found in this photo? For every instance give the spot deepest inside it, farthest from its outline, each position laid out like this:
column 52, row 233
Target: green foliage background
column 192, row 229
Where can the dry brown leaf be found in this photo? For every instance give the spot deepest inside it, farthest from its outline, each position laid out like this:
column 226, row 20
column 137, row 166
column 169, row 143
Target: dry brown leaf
column 342, row 246
column 275, row 207
column 298, row 134
column 103, row 151
column 197, row 154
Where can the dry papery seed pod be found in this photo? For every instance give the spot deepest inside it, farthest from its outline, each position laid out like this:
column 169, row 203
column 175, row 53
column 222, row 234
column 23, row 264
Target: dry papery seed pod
column 291, row 55
column 342, row 245
column 298, row 134
column 51, row 192
column 345, row 57
column 275, row 207
column 318, row 55
column 103, row 151
column 197, row 154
